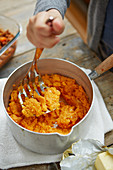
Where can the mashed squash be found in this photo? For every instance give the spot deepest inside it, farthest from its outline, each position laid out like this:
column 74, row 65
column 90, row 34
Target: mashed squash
column 67, row 101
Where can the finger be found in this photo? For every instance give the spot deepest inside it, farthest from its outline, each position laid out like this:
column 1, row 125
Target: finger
column 38, row 23
column 49, row 42
column 41, row 27
column 58, row 26
column 42, row 41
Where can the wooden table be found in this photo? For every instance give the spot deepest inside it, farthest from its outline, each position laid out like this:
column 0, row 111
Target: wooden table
column 71, row 47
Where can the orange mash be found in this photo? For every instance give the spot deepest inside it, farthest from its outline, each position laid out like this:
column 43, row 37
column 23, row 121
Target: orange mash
column 67, row 101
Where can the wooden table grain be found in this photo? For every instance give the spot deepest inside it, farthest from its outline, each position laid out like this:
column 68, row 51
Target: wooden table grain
column 71, row 47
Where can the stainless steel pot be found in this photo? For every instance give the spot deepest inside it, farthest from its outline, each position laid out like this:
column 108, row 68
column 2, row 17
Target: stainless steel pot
column 53, row 143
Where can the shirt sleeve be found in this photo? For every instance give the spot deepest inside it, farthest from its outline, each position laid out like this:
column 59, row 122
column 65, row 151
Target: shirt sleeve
column 44, row 5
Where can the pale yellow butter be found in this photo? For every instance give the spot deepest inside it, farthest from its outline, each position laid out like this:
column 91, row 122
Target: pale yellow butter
column 104, row 161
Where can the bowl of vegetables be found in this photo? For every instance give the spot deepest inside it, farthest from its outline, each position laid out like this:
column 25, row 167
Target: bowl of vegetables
column 9, row 32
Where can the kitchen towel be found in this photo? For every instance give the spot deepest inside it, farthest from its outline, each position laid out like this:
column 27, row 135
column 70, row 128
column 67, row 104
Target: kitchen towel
column 14, row 155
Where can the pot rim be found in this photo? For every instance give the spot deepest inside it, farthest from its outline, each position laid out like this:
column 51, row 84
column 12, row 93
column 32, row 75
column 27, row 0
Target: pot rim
column 55, row 133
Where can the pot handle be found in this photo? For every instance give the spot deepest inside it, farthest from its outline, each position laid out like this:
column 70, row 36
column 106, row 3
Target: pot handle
column 101, row 68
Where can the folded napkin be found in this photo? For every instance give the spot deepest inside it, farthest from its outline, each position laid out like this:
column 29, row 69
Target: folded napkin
column 14, row 155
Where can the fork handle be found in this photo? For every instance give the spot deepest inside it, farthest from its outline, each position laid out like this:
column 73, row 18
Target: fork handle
column 38, row 53
column 37, row 56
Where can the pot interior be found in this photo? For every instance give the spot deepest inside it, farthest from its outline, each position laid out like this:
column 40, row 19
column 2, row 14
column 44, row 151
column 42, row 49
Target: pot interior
column 49, row 66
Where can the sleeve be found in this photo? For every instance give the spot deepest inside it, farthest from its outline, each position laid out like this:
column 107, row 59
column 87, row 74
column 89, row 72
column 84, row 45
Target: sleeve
column 96, row 16
column 44, row 5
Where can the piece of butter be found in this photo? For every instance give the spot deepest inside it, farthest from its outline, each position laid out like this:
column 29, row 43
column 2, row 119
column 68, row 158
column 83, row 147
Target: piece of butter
column 104, row 161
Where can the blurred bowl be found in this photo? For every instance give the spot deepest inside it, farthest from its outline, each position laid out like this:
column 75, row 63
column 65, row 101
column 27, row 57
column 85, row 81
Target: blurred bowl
column 10, row 24
column 14, row 28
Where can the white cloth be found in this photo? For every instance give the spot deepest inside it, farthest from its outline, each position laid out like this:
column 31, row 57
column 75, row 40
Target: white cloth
column 14, row 155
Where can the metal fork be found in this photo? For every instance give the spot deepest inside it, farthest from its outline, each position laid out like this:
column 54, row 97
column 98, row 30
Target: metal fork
column 28, row 83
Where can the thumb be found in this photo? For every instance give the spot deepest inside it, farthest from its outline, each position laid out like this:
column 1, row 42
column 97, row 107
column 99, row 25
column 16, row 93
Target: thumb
column 58, row 26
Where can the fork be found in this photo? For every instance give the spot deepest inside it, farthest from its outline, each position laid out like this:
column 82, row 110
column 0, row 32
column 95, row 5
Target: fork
column 28, row 82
